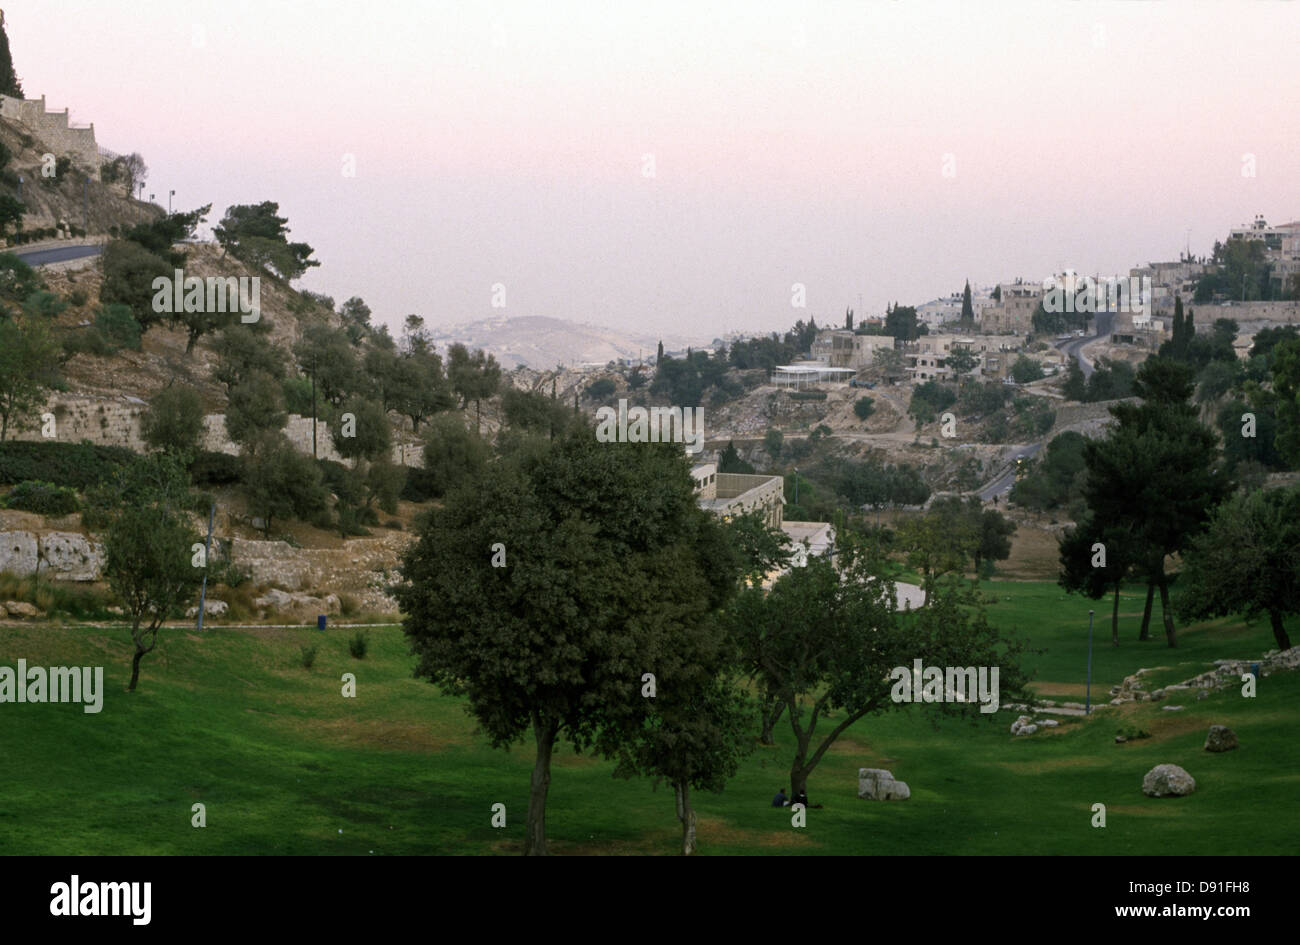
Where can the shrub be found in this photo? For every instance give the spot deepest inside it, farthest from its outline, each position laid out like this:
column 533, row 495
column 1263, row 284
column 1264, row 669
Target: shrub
column 78, row 297
column 57, row 597
column 863, row 408
column 359, row 643
column 349, row 606
column 211, row 469
column 308, row 655
column 393, row 524
column 74, row 465
column 43, row 498
column 174, row 420
column 118, row 325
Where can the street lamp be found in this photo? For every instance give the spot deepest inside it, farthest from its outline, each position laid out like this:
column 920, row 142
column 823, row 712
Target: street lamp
column 1087, row 705
column 170, row 195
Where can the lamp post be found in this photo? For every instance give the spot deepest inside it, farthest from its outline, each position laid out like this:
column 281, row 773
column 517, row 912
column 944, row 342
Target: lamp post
column 1087, row 704
column 170, row 195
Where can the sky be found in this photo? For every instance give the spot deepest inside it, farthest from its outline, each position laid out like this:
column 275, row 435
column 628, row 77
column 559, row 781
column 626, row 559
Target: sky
column 678, row 167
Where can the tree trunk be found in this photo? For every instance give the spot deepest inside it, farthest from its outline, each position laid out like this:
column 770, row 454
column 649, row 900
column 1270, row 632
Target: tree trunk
column 135, row 669
column 1171, row 634
column 1114, row 618
column 1145, row 632
column 771, row 709
column 686, row 814
column 1279, row 631
column 535, row 838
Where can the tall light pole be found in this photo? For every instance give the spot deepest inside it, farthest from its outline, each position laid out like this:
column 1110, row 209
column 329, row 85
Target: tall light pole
column 1087, row 704
column 85, row 203
column 170, row 195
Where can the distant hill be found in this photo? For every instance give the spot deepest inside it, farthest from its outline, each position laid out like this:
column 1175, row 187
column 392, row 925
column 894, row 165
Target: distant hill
column 543, row 343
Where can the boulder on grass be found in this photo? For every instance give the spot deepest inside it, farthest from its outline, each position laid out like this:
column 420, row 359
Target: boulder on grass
column 18, row 608
column 877, row 784
column 1221, row 738
column 1168, row 781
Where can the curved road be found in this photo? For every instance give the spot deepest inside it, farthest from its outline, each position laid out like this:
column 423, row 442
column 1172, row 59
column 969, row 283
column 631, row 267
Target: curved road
column 55, row 254
column 1071, row 348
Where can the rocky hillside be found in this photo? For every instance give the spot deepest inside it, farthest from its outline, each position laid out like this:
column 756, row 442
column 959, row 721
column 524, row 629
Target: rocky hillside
column 90, row 205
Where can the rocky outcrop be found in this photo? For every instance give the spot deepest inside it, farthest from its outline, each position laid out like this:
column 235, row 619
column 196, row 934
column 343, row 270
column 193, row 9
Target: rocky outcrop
column 17, row 608
column 1168, row 781
column 211, row 608
column 877, row 784
column 64, row 556
column 1226, row 673
column 299, row 605
column 1221, row 738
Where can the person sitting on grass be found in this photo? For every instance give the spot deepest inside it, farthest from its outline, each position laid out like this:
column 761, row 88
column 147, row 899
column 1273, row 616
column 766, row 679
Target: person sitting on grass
column 802, row 798
column 780, row 800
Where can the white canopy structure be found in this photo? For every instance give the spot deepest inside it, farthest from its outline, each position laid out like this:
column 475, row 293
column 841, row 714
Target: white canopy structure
column 805, row 375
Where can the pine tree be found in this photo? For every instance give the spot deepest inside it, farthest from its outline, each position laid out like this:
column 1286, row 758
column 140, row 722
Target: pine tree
column 967, row 309
column 848, row 319
column 9, row 84
column 1176, row 333
column 661, row 352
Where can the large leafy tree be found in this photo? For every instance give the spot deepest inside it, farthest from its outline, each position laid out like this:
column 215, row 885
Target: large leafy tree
column 608, row 560
column 1247, row 560
column 1157, row 473
column 474, row 376
column 824, row 643
column 129, row 274
column 1078, row 552
column 280, row 482
column 258, row 235
column 325, row 354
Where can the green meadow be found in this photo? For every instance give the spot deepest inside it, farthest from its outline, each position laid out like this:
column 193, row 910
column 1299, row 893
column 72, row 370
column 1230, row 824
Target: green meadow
column 285, row 765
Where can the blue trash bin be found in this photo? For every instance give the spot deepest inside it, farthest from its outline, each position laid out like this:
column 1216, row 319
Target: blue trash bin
column 320, row 622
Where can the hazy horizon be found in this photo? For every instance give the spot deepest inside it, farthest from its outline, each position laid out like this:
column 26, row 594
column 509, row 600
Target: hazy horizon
column 506, row 143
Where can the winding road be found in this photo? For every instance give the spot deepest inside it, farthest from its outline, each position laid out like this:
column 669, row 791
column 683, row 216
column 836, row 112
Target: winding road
column 1072, row 347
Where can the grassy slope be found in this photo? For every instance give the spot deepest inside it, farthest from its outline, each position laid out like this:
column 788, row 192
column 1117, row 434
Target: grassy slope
column 284, row 763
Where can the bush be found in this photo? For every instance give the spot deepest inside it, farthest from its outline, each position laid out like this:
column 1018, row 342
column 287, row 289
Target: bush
column 43, row 498
column 211, row 469
column 78, row 297
column 74, row 465
column 173, row 421
column 863, row 408
column 349, row 606
column 118, row 325
column 359, row 643
column 58, row 597
column 308, row 655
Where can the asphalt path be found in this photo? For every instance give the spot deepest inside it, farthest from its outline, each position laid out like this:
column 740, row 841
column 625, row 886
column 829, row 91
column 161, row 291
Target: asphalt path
column 1072, row 348
column 43, row 257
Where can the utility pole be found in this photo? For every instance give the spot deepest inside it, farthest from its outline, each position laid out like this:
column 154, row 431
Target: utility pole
column 313, row 406
column 1087, row 704
column 85, row 203
column 170, row 195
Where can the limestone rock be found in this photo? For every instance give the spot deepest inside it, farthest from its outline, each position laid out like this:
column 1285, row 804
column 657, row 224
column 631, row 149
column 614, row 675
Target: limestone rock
column 1172, row 708
column 17, row 608
column 18, row 553
column 211, row 608
column 72, row 557
column 1024, row 725
column 1221, row 738
column 877, row 784
column 1167, row 781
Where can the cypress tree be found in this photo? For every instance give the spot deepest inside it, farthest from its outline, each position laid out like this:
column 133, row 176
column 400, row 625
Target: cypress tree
column 1176, row 333
column 9, row 84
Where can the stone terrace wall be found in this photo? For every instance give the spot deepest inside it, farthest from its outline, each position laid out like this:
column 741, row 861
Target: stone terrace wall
column 108, row 421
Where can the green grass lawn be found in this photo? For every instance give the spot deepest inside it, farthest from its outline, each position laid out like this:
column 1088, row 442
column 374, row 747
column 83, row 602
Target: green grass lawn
column 283, row 763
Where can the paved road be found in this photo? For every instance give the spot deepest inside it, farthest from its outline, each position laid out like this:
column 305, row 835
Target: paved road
column 1074, row 347
column 43, row 257
column 1003, row 483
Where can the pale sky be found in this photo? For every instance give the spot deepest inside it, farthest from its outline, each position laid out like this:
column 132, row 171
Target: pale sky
column 791, row 142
